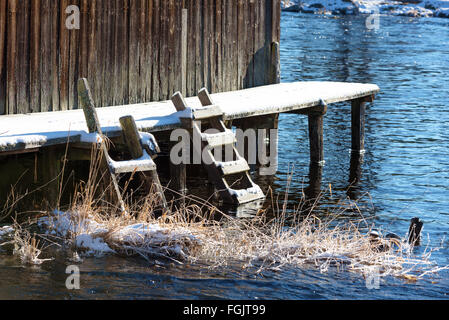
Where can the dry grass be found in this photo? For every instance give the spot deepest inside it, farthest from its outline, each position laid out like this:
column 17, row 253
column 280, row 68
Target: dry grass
column 258, row 244
column 267, row 241
column 26, row 247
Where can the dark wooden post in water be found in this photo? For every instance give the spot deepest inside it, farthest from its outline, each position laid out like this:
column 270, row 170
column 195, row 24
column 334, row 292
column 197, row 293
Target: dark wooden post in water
column 316, row 119
column 355, row 174
column 358, row 107
column 414, row 232
column 315, row 177
column 178, row 172
column 316, row 141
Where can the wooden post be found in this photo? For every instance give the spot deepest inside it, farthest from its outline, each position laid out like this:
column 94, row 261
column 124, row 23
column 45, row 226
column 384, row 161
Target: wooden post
column 315, row 177
column 49, row 169
column 358, row 125
column 178, row 172
column 132, row 139
column 355, row 173
column 86, row 102
column 266, row 123
column 178, row 175
column 414, row 233
column 316, row 134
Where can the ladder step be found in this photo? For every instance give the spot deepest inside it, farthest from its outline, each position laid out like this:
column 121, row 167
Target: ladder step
column 219, row 139
column 139, row 165
column 247, row 195
column 209, row 112
column 233, row 167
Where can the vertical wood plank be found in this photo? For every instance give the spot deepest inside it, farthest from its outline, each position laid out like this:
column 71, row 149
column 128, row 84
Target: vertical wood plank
column 23, row 61
column 218, row 44
column 224, row 46
column 184, row 28
column 96, row 51
column 108, row 63
column 276, row 24
column 198, row 27
column 175, row 39
column 206, row 42
column 123, row 47
column 117, row 41
column 92, row 69
column 84, row 40
column 250, row 44
column 11, row 57
column 45, row 56
column 261, row 56
column 64, row 45
column 3, row 47
column 134, row 50
column 164, row 56
column 234, row 47
column 146, row 59
column 191, row 49
column 55, row 55
column 155, row 94
column 35, row 104
column 212, row 49
column 73, row 64
column 172, row 49
column 242, row 17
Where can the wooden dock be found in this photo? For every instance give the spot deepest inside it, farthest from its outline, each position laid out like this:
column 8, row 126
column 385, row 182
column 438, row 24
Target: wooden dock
column 257, row 108
column 28, row 132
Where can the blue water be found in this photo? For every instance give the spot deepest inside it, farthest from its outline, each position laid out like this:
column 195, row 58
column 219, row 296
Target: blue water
column 405, row 172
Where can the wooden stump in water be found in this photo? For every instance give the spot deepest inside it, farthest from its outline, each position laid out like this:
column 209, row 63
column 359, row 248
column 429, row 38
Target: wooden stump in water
column 414, row 232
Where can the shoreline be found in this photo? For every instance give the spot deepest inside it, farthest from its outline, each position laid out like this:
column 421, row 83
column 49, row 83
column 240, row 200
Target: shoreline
column 410, row 8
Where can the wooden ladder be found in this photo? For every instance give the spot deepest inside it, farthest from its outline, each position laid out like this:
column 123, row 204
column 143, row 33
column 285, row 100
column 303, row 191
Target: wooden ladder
column 219, row 172
column 142, row 154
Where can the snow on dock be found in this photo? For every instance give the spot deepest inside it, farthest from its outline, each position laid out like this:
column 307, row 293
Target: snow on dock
column 31, row 131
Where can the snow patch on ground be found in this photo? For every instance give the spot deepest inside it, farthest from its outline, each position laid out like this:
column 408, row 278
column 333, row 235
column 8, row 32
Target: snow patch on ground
column 6, row 231
column 96, row 238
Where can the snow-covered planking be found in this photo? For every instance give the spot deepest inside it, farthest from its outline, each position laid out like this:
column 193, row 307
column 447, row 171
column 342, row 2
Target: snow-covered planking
column 144, row 163
column 30, row 131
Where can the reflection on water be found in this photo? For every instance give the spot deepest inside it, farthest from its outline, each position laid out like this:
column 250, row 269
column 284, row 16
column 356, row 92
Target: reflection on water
column 404, row 172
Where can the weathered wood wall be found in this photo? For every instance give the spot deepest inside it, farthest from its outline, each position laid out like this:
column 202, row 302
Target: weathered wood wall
column 131, row 50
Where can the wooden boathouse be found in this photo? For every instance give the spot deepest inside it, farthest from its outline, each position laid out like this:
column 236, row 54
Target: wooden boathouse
column 130, row 51
column 132, row 57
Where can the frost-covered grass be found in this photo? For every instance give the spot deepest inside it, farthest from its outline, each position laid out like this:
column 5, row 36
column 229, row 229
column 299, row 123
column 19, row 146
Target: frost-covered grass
column 263, row 242
column 270, row 240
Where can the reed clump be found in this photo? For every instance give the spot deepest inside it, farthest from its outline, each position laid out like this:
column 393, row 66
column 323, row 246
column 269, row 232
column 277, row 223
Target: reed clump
column 269, row 240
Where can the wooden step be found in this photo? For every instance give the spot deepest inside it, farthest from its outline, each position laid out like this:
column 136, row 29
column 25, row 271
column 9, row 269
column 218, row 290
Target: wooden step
column 219, row 139
column 206, row 113
column 247, row 195
column 138, row 165
column 232, row 167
